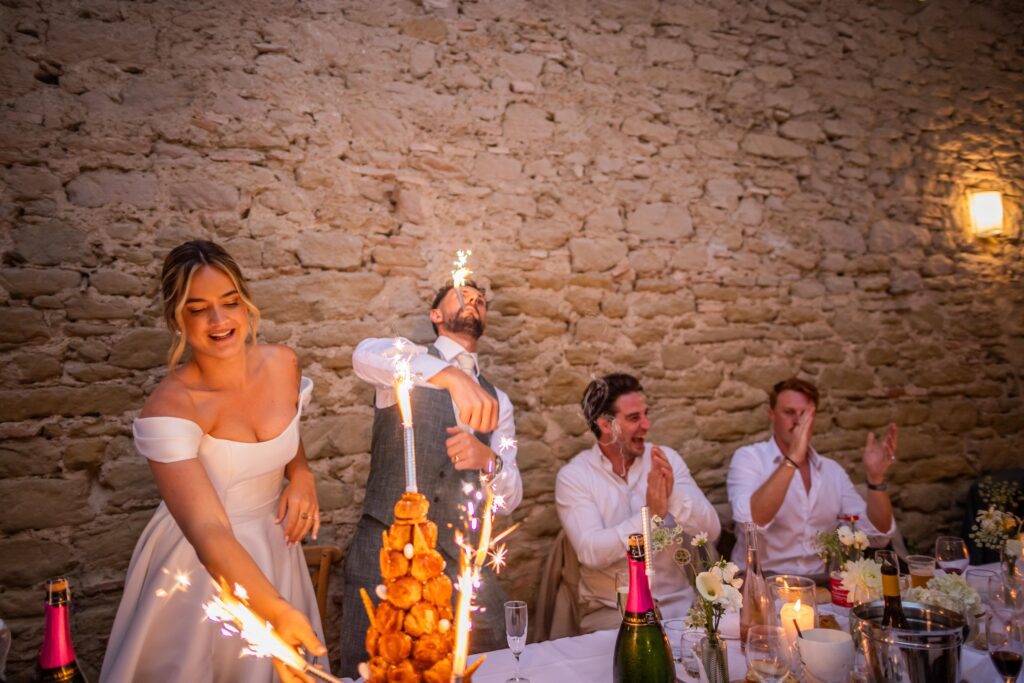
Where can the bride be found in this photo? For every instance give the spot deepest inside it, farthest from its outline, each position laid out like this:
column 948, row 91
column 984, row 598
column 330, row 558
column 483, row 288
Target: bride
column 220, row 432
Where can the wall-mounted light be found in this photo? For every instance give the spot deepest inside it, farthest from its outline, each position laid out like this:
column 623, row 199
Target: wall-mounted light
column 986, row 209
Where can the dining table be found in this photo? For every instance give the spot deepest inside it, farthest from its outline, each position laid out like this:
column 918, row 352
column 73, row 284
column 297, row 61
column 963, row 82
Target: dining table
column 588, row 659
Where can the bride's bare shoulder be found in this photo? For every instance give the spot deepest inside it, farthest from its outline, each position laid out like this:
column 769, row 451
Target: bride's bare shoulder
column 281, row 361
column 170, row 398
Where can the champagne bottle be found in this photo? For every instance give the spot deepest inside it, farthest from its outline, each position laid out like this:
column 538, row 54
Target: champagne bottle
column 892, row 616
column 57, row 660
column 757, row 603
column 642, row 652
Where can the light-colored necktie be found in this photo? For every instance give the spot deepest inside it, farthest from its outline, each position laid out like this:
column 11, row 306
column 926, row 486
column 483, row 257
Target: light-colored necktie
column 467, row 363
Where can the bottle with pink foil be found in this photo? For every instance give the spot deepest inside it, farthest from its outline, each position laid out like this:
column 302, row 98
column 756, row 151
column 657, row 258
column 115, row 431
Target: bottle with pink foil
column 642, row 651
column 57, row 660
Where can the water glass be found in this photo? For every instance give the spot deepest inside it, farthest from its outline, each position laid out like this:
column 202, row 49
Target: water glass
column 515, row 630
column 768, row 653
column 1006, row 596
column 621, row 590
column 674, row 629
column 951, row 554
column 922, row 569
column 688, row 651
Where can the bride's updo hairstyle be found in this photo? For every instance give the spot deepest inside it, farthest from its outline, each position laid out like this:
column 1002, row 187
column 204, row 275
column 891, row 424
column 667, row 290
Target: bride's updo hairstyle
column 176, row 277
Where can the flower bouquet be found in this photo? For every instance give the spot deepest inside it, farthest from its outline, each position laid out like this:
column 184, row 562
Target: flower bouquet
column 837, row 549
column 861, row 580
column 998, row 527
column 952, row 592
column 718, row 591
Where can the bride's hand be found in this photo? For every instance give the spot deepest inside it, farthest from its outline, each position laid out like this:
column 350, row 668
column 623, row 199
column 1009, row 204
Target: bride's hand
column 298, row 508
column 293, row 627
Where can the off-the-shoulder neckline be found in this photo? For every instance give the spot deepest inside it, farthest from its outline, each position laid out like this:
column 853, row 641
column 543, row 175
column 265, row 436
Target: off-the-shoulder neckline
column 304, row 384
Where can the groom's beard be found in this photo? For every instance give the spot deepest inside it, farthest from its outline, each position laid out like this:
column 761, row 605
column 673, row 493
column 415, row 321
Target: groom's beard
column 464, row 322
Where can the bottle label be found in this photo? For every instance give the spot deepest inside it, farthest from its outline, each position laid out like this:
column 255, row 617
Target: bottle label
column 640, row 618
column 890, row 585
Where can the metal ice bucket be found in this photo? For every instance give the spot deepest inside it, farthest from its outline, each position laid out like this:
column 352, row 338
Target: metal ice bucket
column 927, row 652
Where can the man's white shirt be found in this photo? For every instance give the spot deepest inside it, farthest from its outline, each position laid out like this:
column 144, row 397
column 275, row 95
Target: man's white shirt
column 788, row 540
column 599, row 510
column 373, row 362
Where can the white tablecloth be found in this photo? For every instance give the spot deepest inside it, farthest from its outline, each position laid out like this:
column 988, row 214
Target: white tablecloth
column 588, row 659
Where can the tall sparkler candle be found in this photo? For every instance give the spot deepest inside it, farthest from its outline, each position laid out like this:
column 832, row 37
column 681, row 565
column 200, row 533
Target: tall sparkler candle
column 403, row 384
column 645, row 521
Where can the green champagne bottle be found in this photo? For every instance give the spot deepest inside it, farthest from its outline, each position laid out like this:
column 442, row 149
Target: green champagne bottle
column 642, row 651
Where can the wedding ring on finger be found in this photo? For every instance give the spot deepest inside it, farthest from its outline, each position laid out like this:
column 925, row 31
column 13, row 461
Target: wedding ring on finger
column 304, row 515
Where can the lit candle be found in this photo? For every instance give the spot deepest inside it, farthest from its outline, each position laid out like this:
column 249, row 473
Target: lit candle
column 403, row 383
column 800, row 614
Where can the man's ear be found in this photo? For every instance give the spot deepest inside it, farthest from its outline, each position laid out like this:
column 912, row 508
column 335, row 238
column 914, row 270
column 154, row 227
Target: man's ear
column 436, row 317
column 605, row 425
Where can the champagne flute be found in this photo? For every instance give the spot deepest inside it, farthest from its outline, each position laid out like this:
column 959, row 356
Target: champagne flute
column 951, row 554
column 621, row 590
column 768, row 653
column 515, row 630
column 1006, row 650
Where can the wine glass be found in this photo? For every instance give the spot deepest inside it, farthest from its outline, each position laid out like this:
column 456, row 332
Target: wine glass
column 621, row 590
column 515, row 631
column 1006, row 650
column 1006, row 595
column 768, row 654
column 951, row 554
column 1012, row 554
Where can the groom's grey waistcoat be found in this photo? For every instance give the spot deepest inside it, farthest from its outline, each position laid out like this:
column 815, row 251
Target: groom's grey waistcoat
column 436, row 477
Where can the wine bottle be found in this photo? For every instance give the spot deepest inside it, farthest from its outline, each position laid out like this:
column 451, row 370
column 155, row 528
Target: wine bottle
column 57, row 660
column 757, row 601
column 892, row 616
column 642, row 652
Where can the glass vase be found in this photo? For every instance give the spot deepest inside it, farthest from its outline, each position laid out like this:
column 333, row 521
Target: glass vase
column 714, row 659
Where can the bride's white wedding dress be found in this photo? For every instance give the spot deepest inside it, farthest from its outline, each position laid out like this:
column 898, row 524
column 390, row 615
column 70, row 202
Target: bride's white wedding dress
column 160, row 634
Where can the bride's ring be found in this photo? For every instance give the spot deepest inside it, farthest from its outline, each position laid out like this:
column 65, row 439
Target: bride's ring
column 304, row 515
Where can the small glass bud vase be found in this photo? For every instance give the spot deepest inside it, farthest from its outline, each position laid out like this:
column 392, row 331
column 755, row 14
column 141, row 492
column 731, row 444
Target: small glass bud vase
column 713, row 656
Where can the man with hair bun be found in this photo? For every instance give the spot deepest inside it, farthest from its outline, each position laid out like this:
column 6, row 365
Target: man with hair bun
column 599, row 494
column 790, row 510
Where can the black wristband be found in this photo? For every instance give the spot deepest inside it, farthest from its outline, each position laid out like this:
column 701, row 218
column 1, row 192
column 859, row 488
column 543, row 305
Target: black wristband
column 790, row 463
column 878, row 487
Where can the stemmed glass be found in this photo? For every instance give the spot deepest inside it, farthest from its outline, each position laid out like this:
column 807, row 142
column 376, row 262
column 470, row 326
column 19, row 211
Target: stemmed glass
column 1006, row 649
column 951, row 554
column 768, row 654
column 1006, row 595
column 515, row 631
column 1012, row 554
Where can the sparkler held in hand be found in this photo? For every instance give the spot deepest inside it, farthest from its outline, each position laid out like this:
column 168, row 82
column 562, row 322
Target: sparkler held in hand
column 230, row 609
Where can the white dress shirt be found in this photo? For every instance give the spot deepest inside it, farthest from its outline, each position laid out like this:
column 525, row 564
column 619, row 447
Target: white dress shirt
column 373, row 362
column 599, row 510
column 788, row 540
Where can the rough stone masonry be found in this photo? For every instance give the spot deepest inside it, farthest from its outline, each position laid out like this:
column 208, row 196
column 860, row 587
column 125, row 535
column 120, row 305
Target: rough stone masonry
column 711, row 194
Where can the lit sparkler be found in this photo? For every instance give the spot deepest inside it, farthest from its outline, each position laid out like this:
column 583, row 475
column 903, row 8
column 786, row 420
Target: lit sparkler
column 403, row 385
column 461, row 273
column 230, row 609
column 472, row 560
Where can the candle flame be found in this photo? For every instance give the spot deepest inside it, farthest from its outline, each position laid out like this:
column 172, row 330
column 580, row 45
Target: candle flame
column 462, row 270
column 796, row 607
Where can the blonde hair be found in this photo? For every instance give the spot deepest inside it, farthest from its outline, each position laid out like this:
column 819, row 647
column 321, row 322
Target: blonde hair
column 176, row 277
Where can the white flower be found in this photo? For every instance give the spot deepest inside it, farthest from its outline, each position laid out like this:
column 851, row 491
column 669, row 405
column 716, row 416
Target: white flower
column 709, row 586
column 845, row 535
column 863, row 580
column 1013, row 547
column 860, row 540
column 731, row 598
column 699, row 540
column 950, row 591
column 729, row 572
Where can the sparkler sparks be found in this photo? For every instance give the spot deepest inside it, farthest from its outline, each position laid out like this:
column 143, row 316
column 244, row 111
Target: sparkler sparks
column 229, row 609
column 461, row 273
column 181, row 583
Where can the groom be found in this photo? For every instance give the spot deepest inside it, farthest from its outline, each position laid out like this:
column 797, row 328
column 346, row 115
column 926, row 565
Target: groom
column 447, row 456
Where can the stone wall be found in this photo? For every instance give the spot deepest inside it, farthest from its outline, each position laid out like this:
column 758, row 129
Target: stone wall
column 712, row 194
